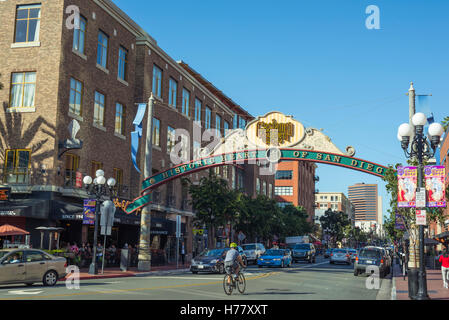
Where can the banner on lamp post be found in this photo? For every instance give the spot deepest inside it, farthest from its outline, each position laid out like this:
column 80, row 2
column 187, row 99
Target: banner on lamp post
column 407, row 181
column 435, row 186
column 399, row 222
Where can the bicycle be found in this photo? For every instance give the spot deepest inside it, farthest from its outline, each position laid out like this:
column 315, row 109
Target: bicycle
column 238, row 282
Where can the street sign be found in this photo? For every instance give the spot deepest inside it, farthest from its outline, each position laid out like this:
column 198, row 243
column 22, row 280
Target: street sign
column 420, row 197
column 107, row 210
column 178, row 226
column 421, row 217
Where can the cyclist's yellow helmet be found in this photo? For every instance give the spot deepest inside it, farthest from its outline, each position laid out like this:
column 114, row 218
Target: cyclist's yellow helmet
column 233, row 245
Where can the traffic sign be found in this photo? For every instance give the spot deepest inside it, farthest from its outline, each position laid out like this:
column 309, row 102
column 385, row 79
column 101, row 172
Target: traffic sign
column 421, row 217
column 421, row 198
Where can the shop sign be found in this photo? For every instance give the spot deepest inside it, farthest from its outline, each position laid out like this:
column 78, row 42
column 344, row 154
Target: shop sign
column 89, row 211
column 8, row 213
column 5, row 193
column 122, row 204
column 72, row 217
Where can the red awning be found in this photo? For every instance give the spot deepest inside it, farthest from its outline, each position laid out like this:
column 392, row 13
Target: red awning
column 9, row 230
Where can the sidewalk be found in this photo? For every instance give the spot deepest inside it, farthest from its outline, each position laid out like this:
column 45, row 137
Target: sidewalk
column 131, row 272
column 435, row 288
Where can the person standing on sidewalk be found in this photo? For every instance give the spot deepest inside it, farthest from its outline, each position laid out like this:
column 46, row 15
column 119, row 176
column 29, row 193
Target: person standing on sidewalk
column 183, row 253
column 444, row 259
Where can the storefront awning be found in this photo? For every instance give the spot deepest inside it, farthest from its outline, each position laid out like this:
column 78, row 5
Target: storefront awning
column 443, row 235
column 29, row 208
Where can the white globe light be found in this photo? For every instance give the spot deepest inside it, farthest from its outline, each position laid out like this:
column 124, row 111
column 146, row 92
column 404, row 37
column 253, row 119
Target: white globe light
column 87, row 180
column 101, row 180
column 99, row 173
column 111, row 182
column 436, row 129
column 405, row 130
column 419, row 119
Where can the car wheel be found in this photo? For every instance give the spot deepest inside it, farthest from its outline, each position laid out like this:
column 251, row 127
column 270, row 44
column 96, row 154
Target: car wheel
column 50, row 278
column 221, row 269
column 356, row 272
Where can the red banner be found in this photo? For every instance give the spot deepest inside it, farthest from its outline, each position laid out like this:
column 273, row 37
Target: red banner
column 407, row 178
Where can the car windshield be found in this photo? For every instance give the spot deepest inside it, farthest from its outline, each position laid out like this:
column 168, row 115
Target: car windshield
column 369, row 254
column 339, row 251
column 249, row 247
column 212, row 253
column 302, row 246
column 3, row 253
column 272, row 252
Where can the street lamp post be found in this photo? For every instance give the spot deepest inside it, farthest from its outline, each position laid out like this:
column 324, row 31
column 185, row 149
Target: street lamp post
column 420, row 149
column 97, row 188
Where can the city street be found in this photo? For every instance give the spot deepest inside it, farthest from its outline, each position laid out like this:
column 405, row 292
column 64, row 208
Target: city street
column 303, row 281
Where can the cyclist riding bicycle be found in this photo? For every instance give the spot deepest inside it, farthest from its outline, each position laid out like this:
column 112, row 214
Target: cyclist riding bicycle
column 233, row 260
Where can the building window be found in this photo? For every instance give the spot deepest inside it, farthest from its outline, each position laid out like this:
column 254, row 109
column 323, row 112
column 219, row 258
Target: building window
column 270, row 190
column 95, row 165
column 102, row 49
column 284, row 204
column 257, row 185
column 283, row 191
column 242, row 123
column 23, row 86
column 170, row 139
column 118, row 176
column 173, row 89
column 28, row 18
column 123, row 63
column 76, row 97
column 233, row 177
column 79, row 36
column 157, row 81
column 197, row 109
column 241, row 186
column 225, row 172
column 99, row 109
column 156, row 132
column 218, row 125
column 235, row 121
column 208, row 119
column 217, row 171
column 71, row 166
column 226, row 127
column 119, row 119
column 17, row 165
column 284, row 174
column 264, row 188
column 185, row 101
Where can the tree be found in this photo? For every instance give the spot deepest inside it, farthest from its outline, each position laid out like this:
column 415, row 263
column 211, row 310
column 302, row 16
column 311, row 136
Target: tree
column 295, row 221
column 445, row 123
column 334, row 223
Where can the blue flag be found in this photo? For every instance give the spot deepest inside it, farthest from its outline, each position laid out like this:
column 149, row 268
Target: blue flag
column 137, row 133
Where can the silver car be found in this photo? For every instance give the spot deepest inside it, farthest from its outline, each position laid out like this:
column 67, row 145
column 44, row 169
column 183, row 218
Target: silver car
column 253, row 251
column 29, row 266
column 341, row 256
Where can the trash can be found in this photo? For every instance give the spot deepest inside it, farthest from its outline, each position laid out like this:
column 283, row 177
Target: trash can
column 124, row 260
column 412, row 282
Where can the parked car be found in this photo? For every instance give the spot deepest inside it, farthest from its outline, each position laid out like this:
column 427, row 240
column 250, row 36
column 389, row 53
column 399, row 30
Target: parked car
column 340, row 255
column 275, row 257
column 253, row 251
column 370, row 256
column 353, row 253
column 212, row 260
column 30, row 266
column 304, row 251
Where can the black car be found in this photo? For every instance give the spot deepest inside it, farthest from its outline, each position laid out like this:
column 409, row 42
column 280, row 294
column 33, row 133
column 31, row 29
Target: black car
column 304, row 251
column 212, row 260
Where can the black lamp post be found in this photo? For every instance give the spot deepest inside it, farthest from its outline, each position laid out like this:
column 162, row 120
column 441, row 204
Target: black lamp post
column 97, row 188
column 420, row 149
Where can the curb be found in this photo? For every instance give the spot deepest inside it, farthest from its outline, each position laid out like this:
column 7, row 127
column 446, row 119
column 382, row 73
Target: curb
column 142, row 274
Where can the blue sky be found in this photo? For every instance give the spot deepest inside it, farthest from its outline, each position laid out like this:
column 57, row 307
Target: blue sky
column 317, row 61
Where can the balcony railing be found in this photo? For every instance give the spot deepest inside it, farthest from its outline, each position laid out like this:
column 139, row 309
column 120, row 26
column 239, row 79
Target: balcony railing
column 25, row 176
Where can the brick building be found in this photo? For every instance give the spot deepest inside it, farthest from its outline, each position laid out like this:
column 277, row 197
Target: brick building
column 96, row 74
column 295, row 184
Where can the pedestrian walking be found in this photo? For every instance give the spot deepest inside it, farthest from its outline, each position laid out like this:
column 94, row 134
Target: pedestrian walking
column 444, row 259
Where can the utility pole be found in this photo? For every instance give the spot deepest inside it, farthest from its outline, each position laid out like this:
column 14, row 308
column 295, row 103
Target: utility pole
column 144, row 263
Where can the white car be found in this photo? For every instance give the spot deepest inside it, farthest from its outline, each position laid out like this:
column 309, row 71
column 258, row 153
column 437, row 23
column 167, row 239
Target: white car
column 253, row 251
column 340, row 256
column 29, row 266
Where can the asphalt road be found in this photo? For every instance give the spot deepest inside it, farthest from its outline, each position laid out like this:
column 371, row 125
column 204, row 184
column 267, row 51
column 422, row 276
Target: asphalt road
column 302, row 281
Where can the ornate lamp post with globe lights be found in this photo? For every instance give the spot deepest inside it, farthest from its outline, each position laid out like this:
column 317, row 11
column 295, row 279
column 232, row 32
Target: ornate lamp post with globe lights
column 421, row 149
column 97, row 188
